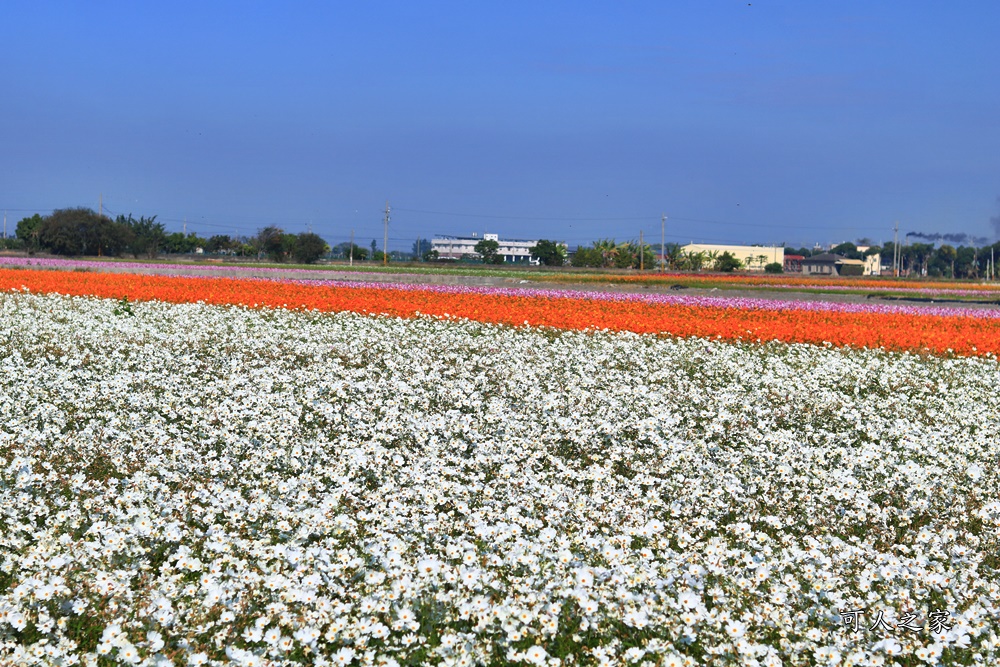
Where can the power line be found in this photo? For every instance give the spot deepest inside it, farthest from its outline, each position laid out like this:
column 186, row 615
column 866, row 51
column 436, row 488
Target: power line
column 518, row 217
column 532, row 218
column 761, row 224
column 330, row 228
column 618, row 219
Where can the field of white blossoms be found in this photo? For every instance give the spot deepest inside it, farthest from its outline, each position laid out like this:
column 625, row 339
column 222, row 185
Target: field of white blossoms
column 188, row 485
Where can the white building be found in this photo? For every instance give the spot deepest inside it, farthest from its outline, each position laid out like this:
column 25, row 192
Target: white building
column 456, row 247
column 873, row 263
column 753, row 258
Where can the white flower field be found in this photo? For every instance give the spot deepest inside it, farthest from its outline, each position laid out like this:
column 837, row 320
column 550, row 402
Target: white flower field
column 198, row 485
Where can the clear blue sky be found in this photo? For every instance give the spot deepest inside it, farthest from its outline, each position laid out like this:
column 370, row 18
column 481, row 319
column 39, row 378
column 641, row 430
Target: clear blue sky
column 794, row 122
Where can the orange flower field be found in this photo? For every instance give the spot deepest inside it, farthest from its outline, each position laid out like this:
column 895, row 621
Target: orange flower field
column 893, row 330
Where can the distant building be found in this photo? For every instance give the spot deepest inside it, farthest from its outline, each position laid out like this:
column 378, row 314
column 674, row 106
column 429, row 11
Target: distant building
column 852, row 267
column 753, row 257
column 829, row 264
column 457, row 247
column 793, row 263
column 824, row 264
column 873, row 263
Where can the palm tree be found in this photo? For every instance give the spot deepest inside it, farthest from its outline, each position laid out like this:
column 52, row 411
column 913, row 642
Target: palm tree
column 609, row 251
column 710, row 257
column 696, row 259
column 674, row 255
column 625, row 257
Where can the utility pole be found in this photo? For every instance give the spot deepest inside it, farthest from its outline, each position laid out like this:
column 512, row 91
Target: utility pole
column 663, row 244
column 895, row 250
column 185, row 226
column 100, row 214
column 5, row 224
column 385, row 241
column 350, row 253
column 642, row 253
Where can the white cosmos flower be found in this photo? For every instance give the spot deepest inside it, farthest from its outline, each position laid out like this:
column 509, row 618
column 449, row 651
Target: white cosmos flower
column 688, row 600
column 735, row 629
column 536, row 655
column 343, row 656
column 268, row 464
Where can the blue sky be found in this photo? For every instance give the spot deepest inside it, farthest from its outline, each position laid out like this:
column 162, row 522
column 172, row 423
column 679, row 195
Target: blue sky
column 762, row 122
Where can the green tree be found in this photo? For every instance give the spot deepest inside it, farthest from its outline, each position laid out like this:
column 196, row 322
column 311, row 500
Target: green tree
column 489, row 251
column 308, row 248
column 965, row 262
column 61, row 235
column 28, row 230
column 642, row 257
column 609, row 251
column 345, row 250
column 148, row 236
column 848, row 250
column 549, row 253
column 222, row 243
column 774, row 267
column 920, row 254
column 80, row 231
column 990, row 254
column 178, row 243
column 270, row 241
column 727, row 263
column 696, row 260
column 587, row 257
column 624, row 257
column 288, row 242
column 946, row 255
column 673, row 256
column 109, row 237
column 420, row 248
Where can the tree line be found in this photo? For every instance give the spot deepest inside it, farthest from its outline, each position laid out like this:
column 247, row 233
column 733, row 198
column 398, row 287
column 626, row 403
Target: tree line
column 608, row 254
column 923, row 259
column 81, row 231
column 549, row 253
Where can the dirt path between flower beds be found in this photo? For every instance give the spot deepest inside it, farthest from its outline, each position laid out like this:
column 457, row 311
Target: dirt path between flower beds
column 513, row 283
